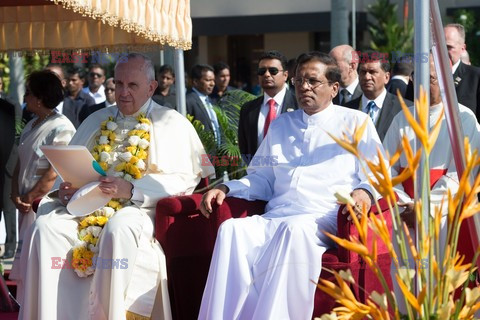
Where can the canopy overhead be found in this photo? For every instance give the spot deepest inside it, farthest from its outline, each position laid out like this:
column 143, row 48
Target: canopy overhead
column 39, row 25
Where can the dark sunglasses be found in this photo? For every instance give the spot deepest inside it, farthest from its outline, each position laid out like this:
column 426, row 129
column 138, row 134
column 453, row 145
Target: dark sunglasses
column 93, row 74
column 273, row 71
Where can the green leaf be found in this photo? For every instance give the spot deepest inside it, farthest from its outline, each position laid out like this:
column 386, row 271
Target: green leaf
column 226, row 155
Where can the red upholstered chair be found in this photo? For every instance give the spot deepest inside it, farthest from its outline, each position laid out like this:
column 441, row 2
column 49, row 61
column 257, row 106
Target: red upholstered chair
column 188, row 239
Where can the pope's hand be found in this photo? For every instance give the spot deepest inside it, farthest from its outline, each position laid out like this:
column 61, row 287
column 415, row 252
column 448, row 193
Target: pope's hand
column 116, row 187
column 218, row 193
column 66, row 192
column 362, row 198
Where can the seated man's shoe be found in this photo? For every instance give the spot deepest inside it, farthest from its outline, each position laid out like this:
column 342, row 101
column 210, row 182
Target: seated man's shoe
column 8, row 254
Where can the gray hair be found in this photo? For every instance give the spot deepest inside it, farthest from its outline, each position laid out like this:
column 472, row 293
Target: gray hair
column 347, row 54
column 345, row 51
column 147, row 67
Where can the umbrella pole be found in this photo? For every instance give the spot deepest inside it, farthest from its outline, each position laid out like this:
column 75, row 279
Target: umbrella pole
column 180, row 81
column 450, row 102
column 421, row 79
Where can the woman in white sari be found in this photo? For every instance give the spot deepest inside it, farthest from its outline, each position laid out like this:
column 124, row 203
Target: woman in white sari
column 33, row 176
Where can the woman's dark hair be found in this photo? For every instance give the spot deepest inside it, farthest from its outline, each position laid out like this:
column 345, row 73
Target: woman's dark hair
column 46, row 86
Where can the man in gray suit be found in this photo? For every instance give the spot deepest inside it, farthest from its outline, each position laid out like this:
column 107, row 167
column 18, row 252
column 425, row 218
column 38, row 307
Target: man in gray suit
column 199, row 104
column 256, row 115
column 349, row 84
column 382, row 106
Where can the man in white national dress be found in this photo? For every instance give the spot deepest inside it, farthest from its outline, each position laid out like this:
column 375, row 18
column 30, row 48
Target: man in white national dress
column 52, row 290
column 443, row 173
column 263, row 266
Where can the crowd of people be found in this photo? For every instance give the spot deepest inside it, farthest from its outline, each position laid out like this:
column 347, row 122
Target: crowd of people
column 262, row 265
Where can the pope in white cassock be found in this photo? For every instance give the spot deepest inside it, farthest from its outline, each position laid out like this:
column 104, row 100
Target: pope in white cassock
column 443, row 173
column 173, row 168
column 263, row 266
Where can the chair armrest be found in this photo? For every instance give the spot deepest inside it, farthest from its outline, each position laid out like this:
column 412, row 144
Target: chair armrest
column 235, row 208
column 347, row 229
column 179, row 206
column 172, row 208
column 182, row 230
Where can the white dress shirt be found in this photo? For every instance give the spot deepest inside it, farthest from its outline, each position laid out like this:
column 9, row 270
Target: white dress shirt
column 378, row 101
column 455, row 66
column 98, row 96
column 279, row 97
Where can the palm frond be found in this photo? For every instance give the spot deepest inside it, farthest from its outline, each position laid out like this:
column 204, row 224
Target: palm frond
column 225, row 156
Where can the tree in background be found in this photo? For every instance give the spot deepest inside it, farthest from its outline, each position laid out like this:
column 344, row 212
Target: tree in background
column 31, row 62
column 387, row 35
column 471, row 22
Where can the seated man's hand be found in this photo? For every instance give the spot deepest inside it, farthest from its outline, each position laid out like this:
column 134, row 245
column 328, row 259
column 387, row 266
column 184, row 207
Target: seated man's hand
column 22, row 206
column 218, row 193
column 116, row 187
column 408, row 215
column 66, row 192
column 362, row 198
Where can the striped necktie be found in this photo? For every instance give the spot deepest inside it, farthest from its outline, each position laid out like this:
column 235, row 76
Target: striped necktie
column 371, row 108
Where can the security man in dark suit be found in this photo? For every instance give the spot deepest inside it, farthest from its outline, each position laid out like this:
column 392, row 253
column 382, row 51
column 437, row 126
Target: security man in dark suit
column 256, row 115
column 348, row 64
column 199, row 105
column 466, row 78
column 75, row 98
column 401, row 73
column 7, row 127
column 380, row 105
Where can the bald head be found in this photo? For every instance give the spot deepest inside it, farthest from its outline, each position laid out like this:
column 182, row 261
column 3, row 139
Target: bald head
column 348, row 67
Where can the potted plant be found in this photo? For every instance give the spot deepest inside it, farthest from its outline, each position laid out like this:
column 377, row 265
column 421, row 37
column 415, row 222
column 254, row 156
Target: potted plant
column 225, row 156
column 437, row 289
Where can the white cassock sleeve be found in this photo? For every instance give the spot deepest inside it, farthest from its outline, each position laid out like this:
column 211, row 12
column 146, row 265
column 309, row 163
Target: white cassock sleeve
column 369, row 146
column 175, row 160
column 440, row 157
column 391, row 142
column 258, row 183
column 450, row 180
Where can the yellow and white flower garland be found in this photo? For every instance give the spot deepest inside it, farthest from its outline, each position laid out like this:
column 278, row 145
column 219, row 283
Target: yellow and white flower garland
column 129, row 162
